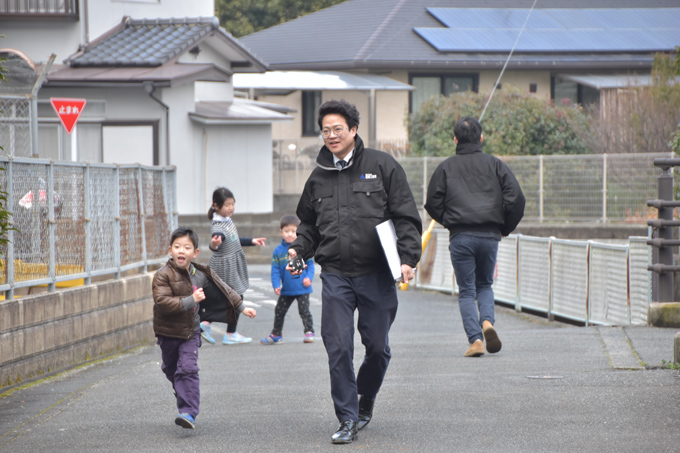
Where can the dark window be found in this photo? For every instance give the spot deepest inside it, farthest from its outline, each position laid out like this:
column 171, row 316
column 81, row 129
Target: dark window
column 565, row 92
column 311, row 100
column 429, row 85
column 39, row 9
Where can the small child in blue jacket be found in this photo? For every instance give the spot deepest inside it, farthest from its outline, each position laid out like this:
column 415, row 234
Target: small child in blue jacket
column 289, row 287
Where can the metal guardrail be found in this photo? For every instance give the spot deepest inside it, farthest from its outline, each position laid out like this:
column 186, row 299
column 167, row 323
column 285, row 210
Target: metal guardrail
column 75, row 220
column 583, row 281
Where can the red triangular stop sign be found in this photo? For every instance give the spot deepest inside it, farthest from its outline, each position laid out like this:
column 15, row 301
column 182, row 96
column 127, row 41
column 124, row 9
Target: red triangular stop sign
column 68, row 110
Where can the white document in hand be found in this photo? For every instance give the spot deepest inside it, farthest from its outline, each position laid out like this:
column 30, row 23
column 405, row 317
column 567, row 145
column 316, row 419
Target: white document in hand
column 388, row 240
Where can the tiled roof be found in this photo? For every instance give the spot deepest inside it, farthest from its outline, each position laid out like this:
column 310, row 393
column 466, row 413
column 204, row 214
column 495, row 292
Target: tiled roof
column 146, row 42
column 380, row 34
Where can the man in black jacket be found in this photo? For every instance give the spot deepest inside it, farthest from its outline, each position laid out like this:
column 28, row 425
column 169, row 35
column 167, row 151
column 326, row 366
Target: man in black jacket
column 352, row 190
column 478, row 199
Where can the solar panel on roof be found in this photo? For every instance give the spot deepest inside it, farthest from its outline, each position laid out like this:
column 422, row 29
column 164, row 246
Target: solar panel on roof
column 590, row 30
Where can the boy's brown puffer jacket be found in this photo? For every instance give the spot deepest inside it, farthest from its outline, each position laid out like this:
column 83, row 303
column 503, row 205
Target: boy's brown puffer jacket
column 170, row 285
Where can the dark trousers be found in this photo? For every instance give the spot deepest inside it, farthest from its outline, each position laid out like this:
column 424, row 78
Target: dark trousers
column 231, row 327
column 282, row 306
column 180, row 365
column 375, row 297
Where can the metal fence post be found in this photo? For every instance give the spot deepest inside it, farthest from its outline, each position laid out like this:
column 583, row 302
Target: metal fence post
column 604, row 188
column 589, row 258
column 9, row 259
column 665, row 253
column 540, row 188
column 117, row 217
column 49, row 193
column 165, row 198
column 142, row 216
column 33, row 114
column 88, row 223
column 551, row 316
column 424, row 185
column 665, row 205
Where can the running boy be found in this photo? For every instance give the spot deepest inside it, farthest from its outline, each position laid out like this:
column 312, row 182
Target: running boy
column 289, row 287
column 177, row 291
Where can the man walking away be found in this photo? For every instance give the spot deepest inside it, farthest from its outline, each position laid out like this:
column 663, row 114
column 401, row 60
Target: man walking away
column 478, row 199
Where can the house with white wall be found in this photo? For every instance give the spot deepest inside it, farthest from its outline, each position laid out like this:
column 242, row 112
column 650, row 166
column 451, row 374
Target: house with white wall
column 157, row 77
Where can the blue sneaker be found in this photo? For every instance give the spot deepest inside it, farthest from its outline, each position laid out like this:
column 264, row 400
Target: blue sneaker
column 205, row 332
column 185, row 421
column 235, row 338
column 272, row 339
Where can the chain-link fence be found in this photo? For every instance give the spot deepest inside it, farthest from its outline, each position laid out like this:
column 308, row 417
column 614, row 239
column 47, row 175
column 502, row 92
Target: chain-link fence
column 577, row 188
column 75, row 220
column 15, row 125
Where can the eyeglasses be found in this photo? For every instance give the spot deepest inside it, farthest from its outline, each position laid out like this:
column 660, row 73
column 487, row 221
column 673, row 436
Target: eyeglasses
column 337, row 131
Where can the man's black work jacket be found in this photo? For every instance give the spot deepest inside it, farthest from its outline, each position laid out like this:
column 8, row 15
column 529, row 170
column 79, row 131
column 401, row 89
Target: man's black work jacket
column 339, row 210
column 475, row 192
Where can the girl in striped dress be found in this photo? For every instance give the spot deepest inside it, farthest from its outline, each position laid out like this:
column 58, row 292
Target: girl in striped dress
column 228, row 260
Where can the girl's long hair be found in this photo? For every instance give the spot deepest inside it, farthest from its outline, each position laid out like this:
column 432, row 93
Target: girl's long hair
column 220, row 195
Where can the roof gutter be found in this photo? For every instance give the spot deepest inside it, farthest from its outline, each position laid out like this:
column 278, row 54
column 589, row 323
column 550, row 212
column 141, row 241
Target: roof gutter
column 149, row 87
column 240, row 121
column 85, row 84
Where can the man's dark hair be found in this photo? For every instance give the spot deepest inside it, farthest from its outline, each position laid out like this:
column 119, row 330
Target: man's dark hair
column 181, row 232
column 341, row 107
column 289, row 219
column 467, row 130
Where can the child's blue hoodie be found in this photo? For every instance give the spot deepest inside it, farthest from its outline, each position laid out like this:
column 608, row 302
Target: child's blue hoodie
column 291, row 286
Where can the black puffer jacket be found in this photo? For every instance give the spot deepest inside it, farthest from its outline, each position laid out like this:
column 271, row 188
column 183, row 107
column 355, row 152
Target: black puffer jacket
column 172, row 284
column 339, row 210
column 475, row 191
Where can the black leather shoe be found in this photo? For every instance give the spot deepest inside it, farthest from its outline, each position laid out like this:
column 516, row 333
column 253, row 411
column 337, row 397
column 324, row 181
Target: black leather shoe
column 365, row 412
column 346, row 433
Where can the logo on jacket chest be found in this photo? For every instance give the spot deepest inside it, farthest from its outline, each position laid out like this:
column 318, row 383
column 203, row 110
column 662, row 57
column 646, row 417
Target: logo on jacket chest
column 368, row 176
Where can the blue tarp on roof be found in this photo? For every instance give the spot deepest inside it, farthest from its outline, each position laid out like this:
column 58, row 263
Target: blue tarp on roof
column 549, row 30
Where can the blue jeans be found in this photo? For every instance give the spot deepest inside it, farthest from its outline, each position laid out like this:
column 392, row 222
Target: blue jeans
column 474, row 263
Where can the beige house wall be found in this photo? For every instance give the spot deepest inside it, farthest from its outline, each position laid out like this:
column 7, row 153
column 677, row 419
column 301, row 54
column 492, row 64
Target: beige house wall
column 392, row 107
column 519, row 79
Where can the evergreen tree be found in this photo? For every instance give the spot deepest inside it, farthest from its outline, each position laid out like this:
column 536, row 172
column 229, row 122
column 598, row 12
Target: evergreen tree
column 243, row 17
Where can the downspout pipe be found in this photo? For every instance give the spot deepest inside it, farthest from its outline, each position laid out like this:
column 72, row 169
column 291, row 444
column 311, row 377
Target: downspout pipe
column 85, row 18
column 150, row 88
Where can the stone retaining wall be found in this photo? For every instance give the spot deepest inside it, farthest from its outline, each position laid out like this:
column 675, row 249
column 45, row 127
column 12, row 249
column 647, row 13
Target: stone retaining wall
column 49, row 332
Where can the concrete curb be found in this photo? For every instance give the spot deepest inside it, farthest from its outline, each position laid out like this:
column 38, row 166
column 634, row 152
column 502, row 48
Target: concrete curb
column 664, row 314
column 676, row 348
column 618, row 347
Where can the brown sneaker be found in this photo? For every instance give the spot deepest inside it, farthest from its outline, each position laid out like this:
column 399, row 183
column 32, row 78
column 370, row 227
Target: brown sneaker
column 476, row 349
column 493, row 343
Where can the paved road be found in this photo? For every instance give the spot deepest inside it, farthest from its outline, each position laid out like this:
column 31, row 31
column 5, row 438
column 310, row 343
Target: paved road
column 553, row 388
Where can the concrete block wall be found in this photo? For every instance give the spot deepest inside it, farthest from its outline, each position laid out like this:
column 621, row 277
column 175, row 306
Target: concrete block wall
column 48, row 332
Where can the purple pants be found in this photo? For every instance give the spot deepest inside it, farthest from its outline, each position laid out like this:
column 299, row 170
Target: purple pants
column 180, row 365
